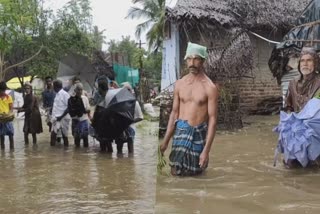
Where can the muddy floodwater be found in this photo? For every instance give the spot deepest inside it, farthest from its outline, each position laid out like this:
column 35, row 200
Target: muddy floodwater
column 44, row 179
column 241, row 179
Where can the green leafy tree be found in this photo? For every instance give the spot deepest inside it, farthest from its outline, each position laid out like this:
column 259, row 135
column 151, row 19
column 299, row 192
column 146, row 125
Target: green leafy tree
column 154, row 13
column 17, row 21
column 152, row 65
column 127, row 48
column 68, row 32
column 25, row 27
column 25, row 48
column 80, row 12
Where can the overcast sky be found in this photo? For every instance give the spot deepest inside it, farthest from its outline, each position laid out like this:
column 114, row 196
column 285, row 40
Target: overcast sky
column 109, row 16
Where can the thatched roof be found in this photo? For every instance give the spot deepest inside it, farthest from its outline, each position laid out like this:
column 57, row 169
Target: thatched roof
column 101, row 66
column 226, row 63
column 250, row 14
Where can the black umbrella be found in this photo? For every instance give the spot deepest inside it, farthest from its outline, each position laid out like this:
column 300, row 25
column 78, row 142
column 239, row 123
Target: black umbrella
column 114, row 114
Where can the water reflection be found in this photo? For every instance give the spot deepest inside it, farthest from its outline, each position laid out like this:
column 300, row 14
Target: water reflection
column 44, row 179
column 241, row 179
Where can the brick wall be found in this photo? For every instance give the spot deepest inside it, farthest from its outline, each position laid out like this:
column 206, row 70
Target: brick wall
column 263, row 85
column 253, row 92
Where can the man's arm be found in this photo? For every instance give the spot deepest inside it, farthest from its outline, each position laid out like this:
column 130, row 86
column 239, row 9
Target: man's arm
column 173, row 116
column 64, row 114
column 66, row 101
column 212, row 124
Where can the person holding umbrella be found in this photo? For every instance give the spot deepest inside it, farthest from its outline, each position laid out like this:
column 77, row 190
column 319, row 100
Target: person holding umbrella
column 129, row 134
column 99, row 97
column 114, row 114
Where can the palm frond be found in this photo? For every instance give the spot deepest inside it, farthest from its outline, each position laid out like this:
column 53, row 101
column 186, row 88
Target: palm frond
column 137, row 13
column 143, row 27
column 153, row 11
column 153, row 37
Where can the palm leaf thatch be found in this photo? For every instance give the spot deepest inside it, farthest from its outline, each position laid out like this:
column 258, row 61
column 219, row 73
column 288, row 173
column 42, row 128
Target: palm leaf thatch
column 250, row 14
column 226, row 63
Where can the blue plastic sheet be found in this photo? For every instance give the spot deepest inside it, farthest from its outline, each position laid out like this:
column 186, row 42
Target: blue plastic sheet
column 299, row 133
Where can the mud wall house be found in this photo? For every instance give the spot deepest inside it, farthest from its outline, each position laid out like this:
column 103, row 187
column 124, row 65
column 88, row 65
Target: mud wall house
column 236, row 55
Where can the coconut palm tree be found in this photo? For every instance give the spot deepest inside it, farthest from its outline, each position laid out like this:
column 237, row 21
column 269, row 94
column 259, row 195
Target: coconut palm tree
column 98, row 38
column 154, row 13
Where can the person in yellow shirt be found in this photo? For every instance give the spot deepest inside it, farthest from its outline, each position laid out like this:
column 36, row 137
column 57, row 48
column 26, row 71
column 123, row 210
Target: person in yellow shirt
column 6, row 107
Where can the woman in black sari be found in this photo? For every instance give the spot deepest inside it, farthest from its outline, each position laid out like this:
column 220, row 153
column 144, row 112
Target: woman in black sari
column 32, row 118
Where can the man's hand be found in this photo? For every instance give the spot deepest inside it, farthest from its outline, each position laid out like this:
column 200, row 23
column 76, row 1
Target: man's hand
column 203, row 160
column 163, row 147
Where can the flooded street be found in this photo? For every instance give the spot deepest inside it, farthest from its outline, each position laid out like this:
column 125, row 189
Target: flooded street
column 44, row 179
column 241, row 178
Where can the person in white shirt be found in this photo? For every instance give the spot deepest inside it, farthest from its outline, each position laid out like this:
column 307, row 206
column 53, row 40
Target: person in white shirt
column 60, row 118
column 79, row 110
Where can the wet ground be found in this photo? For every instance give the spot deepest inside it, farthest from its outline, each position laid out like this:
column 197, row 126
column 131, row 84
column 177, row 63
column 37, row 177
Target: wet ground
column 241, row 178
column 44, row 179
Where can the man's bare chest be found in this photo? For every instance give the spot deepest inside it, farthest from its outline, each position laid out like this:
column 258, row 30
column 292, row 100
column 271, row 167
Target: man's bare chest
column 194, row 95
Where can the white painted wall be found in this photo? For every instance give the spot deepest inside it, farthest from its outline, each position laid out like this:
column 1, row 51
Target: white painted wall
column 170, row 60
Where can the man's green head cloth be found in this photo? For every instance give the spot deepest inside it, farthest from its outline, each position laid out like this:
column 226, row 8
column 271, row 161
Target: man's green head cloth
column 196, row 50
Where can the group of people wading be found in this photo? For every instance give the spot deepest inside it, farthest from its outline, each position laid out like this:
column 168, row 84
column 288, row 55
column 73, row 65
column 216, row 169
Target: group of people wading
column 62, row 106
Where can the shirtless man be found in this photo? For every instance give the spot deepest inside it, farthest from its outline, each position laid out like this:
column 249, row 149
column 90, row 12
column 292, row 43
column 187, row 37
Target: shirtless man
column 193, row 119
